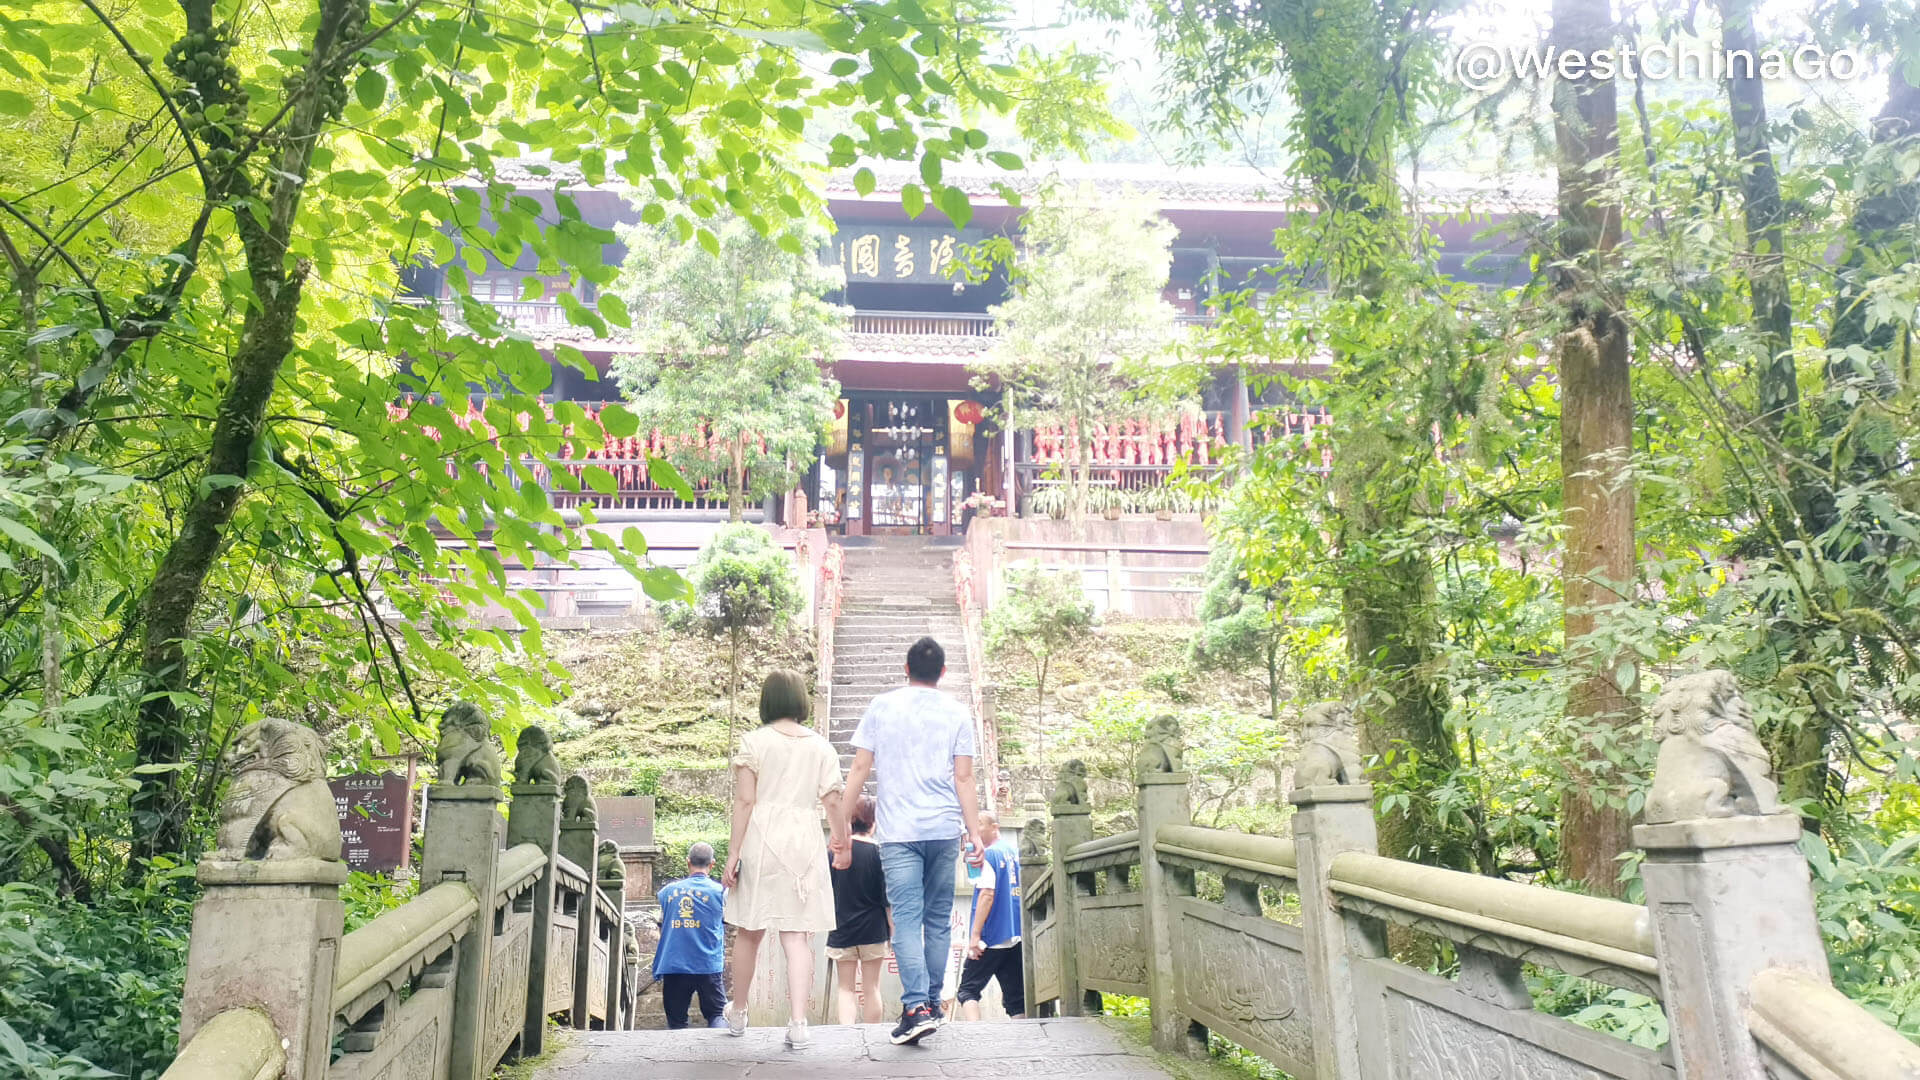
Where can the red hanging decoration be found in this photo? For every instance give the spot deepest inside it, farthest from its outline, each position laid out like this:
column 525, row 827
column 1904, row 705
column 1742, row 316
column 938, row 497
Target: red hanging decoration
column 969, row 412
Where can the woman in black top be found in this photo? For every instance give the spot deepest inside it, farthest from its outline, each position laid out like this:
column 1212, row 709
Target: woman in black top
column 863, row 923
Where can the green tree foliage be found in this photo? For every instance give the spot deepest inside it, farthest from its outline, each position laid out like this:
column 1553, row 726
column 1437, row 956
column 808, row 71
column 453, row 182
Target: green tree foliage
column 1240, row 624
column 1085, row 313
column 1043, row 613
column 741, row 581
column 731, row 333
column 235, row 449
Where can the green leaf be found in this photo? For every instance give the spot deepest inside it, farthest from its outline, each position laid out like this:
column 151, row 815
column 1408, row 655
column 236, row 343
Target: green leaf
column 843, row 67
column 912, row 199
column 52, row 333
column 1009, row 162
column 664, row 584
column 634, row 541
column 14, row 103
column 27, row 538
column 663, row 474
column 619, row 421
column 370, row 89
column 863, row 181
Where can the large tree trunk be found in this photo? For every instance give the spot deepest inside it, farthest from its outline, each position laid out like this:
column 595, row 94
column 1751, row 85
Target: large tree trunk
column 1765, row 218
column 1596, row 446
column 160, row 807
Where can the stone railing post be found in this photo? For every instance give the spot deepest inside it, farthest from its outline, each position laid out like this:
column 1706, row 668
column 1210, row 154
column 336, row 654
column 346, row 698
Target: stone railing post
column 463, row 843
column 1072, row 826
column 579, row 824
column 1164, row 798
column 613, row 886
column 533, row 817
column 1333, row 813
column 268, row 924
column 1034, row 860
column 1727, row 887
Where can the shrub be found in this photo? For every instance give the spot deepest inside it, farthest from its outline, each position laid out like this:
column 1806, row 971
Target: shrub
column 92, row 990
column 1042, row 613
column 742, row 579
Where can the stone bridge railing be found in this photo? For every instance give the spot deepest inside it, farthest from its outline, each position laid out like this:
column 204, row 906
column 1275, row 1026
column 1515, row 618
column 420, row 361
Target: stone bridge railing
column 510, row 925
column 1727, row 940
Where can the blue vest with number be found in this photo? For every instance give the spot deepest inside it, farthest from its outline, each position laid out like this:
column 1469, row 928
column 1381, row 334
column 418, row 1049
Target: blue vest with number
column 692, row 939
column 1003, row 920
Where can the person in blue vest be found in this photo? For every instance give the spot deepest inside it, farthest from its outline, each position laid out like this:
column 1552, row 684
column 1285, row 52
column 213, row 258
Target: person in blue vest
column 692, row 950
column 993, row 947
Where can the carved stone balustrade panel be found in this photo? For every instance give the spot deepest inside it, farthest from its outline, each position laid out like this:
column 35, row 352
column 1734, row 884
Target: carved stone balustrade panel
column 1430, row 1027
column 507, row 994
column 412, row 1044
column 1113, row 944
column 1045, row 948
column 1246, row 977
column 560, row 966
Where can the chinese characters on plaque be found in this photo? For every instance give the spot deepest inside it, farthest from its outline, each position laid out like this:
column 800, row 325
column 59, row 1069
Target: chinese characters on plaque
column 916, row 254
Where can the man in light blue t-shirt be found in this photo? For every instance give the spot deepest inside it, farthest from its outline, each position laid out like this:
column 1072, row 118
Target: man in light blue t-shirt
column 921, row 742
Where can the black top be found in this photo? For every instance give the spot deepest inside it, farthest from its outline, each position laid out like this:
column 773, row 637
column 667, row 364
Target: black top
column 859, row 900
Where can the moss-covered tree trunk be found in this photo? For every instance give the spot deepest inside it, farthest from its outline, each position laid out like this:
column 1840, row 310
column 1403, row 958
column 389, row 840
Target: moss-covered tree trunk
column 737, row 478
column 160, row 806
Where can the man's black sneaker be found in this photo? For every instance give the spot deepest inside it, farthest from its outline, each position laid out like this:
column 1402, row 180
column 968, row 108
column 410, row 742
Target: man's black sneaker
column 939, row 1015
column 914, row 1025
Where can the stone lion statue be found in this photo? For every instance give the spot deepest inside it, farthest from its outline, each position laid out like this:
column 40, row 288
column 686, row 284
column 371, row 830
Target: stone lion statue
column 1033, row 840
column 466, row 752
column 1161, row 752
column 609, row 867
column 1332, row 751
column 533, row 762
column 1070, row 790
column 279, row 805
column 576, row 804
column 1711, row 763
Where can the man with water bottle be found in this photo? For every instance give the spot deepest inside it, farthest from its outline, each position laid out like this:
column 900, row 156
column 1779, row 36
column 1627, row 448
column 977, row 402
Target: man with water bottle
column 993, row 945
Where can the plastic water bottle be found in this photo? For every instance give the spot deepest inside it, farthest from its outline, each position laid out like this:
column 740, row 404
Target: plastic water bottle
column 973, row 872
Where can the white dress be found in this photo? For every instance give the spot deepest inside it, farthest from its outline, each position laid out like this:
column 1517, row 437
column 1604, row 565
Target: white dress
column 784, row 883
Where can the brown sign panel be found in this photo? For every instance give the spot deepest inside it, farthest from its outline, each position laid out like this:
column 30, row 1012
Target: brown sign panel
column 374, row 819
column 627, row 820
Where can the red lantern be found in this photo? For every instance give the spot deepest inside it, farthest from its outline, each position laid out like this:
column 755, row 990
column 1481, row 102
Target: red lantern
column 969, row 412
column 839, row 408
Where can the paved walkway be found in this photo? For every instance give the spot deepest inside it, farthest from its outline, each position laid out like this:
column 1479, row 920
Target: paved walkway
column 1008, row 1048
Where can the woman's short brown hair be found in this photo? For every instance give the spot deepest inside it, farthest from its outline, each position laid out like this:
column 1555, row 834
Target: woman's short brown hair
column 783, row 697
column 862, row 816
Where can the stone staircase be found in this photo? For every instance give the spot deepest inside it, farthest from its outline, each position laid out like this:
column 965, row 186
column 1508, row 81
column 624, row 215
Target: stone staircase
column 894, row 591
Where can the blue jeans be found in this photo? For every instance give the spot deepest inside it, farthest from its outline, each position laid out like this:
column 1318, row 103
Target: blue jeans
column 920, row 891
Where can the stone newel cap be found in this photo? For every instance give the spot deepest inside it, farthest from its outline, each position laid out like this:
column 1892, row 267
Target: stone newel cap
column 1331, row 793
column 1750, row 830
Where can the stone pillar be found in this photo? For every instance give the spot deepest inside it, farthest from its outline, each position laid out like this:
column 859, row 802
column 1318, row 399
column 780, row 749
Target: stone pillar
column 1033, row 863
column 533, row 817
column 1729, row 898
column 1330, row 819
column 614, row 890
column 463, row 843
column 577, row 843
column 1727, row 887
column 1072, row 826
column 266, row 935
column 1164, row 799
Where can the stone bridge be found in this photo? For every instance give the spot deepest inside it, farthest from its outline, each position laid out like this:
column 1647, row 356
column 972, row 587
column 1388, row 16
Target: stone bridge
column 1277, row 943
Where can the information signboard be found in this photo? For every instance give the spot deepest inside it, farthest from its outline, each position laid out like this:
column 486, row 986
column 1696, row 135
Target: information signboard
column 627, row 820
column 375, row 819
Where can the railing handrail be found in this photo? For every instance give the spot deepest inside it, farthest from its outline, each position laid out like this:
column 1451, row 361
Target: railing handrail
column 1610, row 931
column 1268, row 855
column 1825, row 1034
column 393, row 941
column 238, row 1044
column 1105, row 845
column 519, row 865
column 1124, row 549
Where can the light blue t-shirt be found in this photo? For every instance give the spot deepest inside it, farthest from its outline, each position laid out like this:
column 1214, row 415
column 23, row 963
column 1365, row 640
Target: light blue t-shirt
column 914, row 733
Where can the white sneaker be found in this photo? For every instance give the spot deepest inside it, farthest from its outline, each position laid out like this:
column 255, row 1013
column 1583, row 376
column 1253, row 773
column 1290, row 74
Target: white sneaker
column 798, row 1036
column 736, row 1021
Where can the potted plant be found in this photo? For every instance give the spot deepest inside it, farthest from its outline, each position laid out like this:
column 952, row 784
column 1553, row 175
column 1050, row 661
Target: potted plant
column 1050, row 500
column 1160, row 500
column 1109, row 501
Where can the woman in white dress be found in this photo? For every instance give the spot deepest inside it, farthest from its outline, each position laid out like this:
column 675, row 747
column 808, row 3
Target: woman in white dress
column 776, row 874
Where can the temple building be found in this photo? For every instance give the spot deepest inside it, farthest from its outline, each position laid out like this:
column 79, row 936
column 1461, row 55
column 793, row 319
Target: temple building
column 913, row 447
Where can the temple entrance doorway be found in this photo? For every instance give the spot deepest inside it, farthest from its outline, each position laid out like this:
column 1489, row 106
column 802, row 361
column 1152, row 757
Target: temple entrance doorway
column 900, row 463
